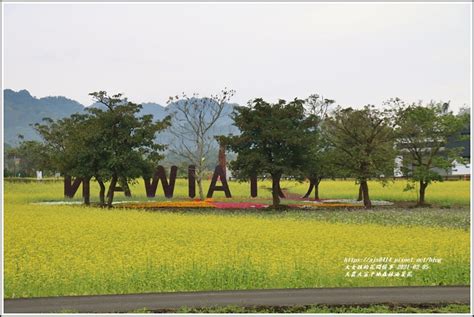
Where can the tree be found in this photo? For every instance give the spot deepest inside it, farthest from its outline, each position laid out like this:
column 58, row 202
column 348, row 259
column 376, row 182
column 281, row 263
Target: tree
column 320, row 165
column 60, row 142
column 73, row 148
column 27, row 158
column 111, row 144
column 364, row 141
column 275, row 139
column 423, row 133
column 127, row 142
column 320, row 161
column 193, row 122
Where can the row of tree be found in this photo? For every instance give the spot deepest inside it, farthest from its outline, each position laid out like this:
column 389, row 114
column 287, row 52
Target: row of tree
column 303, row 138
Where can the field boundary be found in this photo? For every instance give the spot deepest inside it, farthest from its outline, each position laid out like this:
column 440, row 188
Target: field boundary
column 244, row 298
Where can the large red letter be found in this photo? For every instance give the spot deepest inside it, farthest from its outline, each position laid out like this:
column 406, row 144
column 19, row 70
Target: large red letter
column 192, row 181
column 225, row 188
column 160, row 175
column 70, row 188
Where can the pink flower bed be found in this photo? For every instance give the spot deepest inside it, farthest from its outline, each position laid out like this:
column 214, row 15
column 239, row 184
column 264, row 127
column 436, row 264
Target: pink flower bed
column 233, row 205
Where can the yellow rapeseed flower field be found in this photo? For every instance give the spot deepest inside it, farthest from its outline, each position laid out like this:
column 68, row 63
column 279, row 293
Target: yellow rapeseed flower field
column 446, row 192
column 74, row 250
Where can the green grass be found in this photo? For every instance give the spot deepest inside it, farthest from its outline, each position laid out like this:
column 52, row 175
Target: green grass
column 75, row 250
column 323, row 309
column 311, row 309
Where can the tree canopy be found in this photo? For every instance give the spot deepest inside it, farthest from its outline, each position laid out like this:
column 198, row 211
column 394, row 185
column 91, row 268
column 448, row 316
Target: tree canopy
column 193, row 123
column 364, row 141
column 111, row 143
column 320, row 163
column 27, row 158
column 275, row 140
column 423, row 133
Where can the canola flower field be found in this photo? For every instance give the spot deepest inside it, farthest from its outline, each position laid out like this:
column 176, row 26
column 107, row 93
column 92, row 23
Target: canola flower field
column 53, row 250
column 443, row 193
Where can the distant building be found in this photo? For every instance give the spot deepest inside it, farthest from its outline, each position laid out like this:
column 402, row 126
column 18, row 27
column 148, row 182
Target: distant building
column 458, row 169
column 461, row 169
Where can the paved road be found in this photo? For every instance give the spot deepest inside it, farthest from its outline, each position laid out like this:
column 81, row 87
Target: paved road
column 277, row 297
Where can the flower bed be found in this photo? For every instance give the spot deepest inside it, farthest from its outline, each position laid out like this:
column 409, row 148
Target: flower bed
column 169, row 204
column 238, row 205
column 209, row 203
column 326, row 205
column 351, row 202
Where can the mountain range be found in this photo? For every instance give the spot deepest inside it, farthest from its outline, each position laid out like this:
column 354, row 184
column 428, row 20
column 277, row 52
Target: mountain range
column 22, row 110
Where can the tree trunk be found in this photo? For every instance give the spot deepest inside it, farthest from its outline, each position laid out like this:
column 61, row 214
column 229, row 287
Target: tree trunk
column 101, row 192
column 316, row 189
column 110, row 193
column 280, row 191
column 313, row 183
column 86, row 191
column 365, row 194
column 310, row 189
column 423, row 186
column 276, row 190
column 359, row 198
column 199, row 183
column 199, row 166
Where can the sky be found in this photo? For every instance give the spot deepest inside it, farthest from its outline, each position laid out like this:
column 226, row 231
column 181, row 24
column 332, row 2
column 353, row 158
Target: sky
column 355, row 53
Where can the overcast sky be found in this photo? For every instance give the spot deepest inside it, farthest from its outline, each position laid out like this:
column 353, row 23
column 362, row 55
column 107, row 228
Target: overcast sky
column 354, row 53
